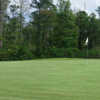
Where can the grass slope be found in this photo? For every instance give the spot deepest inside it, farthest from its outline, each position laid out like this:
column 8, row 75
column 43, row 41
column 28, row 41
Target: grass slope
column 51, row 79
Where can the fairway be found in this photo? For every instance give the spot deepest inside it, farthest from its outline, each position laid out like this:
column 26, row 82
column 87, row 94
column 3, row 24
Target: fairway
column 50, row 79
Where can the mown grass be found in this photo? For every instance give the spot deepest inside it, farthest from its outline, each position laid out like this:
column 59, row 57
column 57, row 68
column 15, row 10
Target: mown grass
column 51, row 79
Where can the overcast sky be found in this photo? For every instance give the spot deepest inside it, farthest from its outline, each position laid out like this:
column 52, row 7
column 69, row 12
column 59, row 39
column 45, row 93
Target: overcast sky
column 91, row 5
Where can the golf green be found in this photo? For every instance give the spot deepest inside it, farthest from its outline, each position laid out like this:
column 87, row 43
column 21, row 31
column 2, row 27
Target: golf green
column 50, row 79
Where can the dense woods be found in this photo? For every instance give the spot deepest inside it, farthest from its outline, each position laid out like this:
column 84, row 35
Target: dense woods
column 42, row 29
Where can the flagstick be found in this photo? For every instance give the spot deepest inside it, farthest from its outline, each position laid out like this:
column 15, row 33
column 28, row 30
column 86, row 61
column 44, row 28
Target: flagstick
column 87, row 50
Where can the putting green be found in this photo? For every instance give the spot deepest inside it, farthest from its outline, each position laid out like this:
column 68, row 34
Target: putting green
column 50, row 79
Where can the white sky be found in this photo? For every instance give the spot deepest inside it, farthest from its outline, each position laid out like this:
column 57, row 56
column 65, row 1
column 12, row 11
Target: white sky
column 91, row 5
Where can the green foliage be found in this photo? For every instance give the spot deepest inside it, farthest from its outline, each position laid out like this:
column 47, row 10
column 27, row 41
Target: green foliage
column 66, row 31
column 98, row 10
column 82, row 20
column 65, row 52
column 51, row 31
column 4, row 55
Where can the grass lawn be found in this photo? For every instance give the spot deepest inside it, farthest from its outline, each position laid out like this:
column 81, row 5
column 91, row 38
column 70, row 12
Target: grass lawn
column 50, row 79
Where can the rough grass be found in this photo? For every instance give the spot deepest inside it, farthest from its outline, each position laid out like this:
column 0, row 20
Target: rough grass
column 51, row 79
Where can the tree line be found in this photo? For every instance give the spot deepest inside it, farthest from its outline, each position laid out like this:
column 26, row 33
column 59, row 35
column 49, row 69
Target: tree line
column 42, row 29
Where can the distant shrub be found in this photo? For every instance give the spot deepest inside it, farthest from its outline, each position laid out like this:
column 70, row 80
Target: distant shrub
column 58, row 52
column 24, row 53
column 4, row 55
column 16, row 54
column 21, row 53
column 65, row 52
column 72, row 52
column 91, row 53
column 94, row 53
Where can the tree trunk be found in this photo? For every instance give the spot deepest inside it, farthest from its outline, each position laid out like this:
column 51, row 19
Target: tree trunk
column 1, row 24
column 3, row 7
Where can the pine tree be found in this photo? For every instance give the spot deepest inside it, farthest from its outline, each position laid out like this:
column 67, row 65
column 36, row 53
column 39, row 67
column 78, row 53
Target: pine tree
column 42, row 12
column 3, row 7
